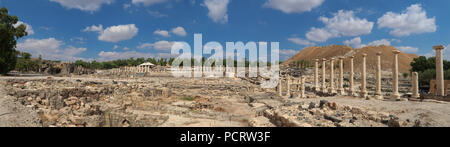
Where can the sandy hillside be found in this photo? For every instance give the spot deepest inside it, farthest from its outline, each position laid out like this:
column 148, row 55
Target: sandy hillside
column 387, row 58
column 311, row 53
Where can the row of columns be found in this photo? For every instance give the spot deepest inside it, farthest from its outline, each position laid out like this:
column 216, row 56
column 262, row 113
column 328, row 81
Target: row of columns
column 363, row 93
column 299, row 82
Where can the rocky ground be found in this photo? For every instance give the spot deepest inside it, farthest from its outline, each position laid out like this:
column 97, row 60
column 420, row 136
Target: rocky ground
column 163, row 101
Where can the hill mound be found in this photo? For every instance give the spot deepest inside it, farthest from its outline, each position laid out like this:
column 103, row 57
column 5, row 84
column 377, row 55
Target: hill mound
column 387, row 57
column 312, row 53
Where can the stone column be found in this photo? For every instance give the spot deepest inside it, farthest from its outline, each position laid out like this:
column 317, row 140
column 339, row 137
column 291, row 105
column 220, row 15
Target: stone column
column 324, row 87
column 303, row 88
column 378, row 93
column 363, row 77
column 316, row 76
column 341, row 90
column 332, row 89
column 351, row 90
column 288, row 92
column 280, row 90
column 415, row 85
column 395, row 93
column 439, row 71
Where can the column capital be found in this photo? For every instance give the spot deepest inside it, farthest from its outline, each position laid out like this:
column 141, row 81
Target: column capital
column 341, row 58
column 352, row 57
column 379, row 54
column 317, row 59
column 396, row 51
column 324, row 59
column 438, row 47
column 364, row 55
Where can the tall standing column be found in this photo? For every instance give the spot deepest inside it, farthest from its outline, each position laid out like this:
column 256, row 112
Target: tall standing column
column 395, row 93
column 303, row 80
column 332, row 89
column 288, row 94
column 439, row 71
column 324, row 87
column 378, row 93
column 351, row 90
column 415, row 85
column 341, row 90
column 364, row 76
column 316, row 76
column 280, row 92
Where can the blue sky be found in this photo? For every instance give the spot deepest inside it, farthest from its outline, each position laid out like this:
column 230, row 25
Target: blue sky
column 111, row 29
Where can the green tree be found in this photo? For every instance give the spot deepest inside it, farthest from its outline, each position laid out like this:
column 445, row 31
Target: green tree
column 8, row 40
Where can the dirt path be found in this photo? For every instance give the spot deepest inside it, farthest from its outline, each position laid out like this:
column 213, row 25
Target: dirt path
column 14, row 114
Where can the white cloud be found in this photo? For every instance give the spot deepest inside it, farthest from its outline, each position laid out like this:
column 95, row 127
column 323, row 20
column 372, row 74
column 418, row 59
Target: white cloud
column 319, row 35
column 50, row 49
column 157, row 14
column 408, row 49
column 114, row 33
column 217, row 10
column 355, row 42
column 29, row 29
column 147, row 2
column 179, row 31
column 160, row 45
column 293, row 6
column 380, row 42
column 94, row 28
column 107, row 56
column 300, row 41
column 115, row 47
column 162, row 33
column 84, row 5
column 343, row 23
column 412, row 21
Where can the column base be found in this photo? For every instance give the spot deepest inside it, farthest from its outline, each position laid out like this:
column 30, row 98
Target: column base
column 341, row 91
column 396, row 97
column 379, row 97
column 363, row 95
column 332, row 91
column 417, row 96
column 324, row 90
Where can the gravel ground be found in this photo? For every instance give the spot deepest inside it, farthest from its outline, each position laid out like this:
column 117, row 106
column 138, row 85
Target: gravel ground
column 14, row 114
column 436, row 114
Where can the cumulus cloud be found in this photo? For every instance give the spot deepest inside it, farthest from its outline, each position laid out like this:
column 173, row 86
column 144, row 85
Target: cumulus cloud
column 380, row 42
column 217, row 10
column 50, row 49
column 84, row 5
column 114, row 33
column 179, row 31
column 162, row 33
column 343, row 23
column 94, row 28
column 147, row 2
column 300, row 41
column 319, row 35
column 160, row 45
column 355, row 42
column 293, row 6
column 157, row 14
column 29, row 29
column 408, row 49
column 412, row 21
column 108, row 56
